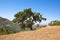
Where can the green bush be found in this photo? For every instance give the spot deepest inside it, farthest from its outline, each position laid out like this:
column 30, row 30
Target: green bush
column 2, row 31
column 54, row 23
column 8, row 30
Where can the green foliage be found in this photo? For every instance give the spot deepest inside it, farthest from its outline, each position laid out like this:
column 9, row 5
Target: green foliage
column 27, row 18
column 54, row 23
column 4, row 31
column 8, row 30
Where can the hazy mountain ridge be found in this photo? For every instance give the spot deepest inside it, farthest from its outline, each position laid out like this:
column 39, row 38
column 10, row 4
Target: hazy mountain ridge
column 7, row 23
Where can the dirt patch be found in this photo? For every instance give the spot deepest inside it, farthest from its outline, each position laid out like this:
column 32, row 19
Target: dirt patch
column 48, row 33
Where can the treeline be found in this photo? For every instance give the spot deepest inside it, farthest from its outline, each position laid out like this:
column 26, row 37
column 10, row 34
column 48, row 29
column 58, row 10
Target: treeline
column 54, row 23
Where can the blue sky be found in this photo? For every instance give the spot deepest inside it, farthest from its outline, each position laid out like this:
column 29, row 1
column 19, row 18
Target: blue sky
column 48, row 8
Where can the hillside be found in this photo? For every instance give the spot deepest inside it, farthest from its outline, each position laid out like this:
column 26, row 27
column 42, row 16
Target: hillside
column 8, row 26
column 5, row 22
column 48, row 33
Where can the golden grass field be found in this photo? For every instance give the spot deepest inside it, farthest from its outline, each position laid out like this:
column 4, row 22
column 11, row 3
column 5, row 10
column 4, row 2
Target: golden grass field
column 48, row 33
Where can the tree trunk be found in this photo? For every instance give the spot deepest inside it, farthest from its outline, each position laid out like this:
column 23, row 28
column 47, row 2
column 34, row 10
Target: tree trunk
column 31, row 28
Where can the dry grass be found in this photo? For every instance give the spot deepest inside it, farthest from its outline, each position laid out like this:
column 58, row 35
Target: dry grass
column 48, row 33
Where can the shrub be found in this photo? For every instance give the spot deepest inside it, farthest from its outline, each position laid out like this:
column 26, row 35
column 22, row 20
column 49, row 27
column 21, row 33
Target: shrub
column 54, row 23
column 9, row 30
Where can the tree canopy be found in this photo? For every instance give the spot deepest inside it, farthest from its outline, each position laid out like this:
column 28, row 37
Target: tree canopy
column 27, row 17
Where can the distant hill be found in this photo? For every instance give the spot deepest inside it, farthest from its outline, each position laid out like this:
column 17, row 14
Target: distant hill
column 7, row 23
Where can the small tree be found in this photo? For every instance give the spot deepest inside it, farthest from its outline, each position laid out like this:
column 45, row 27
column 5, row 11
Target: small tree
column 27, row 18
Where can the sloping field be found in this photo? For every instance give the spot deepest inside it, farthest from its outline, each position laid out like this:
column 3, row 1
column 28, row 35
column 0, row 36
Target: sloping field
column 48, row 33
